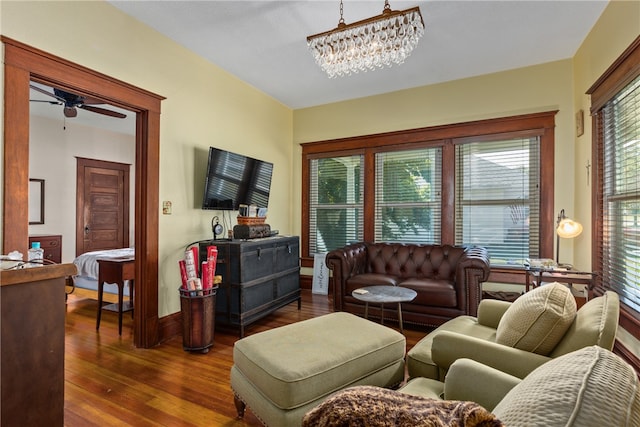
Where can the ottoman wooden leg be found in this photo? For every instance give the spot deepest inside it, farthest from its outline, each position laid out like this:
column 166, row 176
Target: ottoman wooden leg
column 240, row 406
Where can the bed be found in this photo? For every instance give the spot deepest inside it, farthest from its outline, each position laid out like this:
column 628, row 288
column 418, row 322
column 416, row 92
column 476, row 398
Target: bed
column 87, row 265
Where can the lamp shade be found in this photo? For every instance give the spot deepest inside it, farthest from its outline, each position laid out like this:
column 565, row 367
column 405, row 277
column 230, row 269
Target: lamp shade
column 568, row 228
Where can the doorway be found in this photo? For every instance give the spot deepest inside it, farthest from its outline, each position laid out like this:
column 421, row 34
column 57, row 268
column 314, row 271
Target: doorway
column 23, row 64
column 102, row 212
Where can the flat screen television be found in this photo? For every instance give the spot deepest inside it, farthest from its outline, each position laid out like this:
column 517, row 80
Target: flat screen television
column 233, row 179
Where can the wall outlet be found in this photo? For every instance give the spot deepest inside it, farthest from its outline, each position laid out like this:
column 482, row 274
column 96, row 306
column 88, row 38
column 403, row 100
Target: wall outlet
column 166, row 208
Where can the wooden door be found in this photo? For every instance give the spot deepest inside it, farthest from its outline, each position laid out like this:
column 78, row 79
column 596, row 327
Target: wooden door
column 102, row 220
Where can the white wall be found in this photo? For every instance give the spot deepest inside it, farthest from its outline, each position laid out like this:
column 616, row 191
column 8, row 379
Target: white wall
column 54, row 146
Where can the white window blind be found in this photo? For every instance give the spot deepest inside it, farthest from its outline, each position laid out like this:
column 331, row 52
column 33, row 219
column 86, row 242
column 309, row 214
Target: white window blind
column 408, row 196
column 619, row 129
column 336, row 209
column 497, row 198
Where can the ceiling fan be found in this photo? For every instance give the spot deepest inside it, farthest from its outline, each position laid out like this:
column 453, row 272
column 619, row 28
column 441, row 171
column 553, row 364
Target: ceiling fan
column 72, row 102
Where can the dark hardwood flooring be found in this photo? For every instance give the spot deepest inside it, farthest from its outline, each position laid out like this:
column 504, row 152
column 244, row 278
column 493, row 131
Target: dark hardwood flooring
column 109, row 382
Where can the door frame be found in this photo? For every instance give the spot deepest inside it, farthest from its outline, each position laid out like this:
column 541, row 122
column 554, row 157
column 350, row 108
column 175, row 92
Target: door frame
column 22, row 64
column 81, row 164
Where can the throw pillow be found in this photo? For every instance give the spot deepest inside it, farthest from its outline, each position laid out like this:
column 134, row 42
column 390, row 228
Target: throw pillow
column 590, row 387
column 379, row 407
column 537, row 321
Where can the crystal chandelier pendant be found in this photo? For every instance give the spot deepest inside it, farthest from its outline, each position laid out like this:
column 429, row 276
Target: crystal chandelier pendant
column 372, row 43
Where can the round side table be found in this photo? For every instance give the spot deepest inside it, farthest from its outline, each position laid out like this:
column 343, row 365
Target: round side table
column 384, row 295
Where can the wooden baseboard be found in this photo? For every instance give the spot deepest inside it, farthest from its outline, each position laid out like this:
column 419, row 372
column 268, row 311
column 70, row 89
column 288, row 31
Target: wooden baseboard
column 170, row 326
column 306, row 281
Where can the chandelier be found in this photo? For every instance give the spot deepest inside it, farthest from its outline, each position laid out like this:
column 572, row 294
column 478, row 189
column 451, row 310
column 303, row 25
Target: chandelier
column 372, row 43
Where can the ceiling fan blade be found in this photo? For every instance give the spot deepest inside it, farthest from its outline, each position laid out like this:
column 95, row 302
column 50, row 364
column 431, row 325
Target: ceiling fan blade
column 48, row 102
column 103, row 111
column 70, row 112
column 36, row 88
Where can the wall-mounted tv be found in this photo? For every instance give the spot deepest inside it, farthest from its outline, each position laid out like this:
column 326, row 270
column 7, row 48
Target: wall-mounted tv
column 233, row 179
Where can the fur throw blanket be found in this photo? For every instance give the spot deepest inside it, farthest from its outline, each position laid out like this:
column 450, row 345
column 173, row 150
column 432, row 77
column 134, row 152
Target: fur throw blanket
column 368, row 406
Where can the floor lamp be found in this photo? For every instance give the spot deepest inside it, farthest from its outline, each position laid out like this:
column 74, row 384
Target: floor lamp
column 567, row 229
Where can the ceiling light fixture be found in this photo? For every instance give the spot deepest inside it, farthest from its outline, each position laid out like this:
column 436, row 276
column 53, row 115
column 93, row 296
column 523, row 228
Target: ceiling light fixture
column 372, row 43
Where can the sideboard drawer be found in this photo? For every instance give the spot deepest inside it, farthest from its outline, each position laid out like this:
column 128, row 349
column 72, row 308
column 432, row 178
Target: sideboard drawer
column 51, row 244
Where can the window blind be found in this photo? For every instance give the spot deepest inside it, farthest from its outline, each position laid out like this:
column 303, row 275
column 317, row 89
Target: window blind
column 497, row 198
column 619, row 129
column 336, row 205
column 408, row 196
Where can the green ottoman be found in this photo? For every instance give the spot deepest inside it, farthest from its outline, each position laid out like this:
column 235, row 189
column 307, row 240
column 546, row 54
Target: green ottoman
column 283, row 373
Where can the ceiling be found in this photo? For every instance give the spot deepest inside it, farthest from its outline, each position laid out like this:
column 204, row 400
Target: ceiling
column 264, row 43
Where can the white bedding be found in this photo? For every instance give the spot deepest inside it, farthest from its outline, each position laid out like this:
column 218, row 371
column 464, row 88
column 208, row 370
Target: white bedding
column 87, row 266
column 87, row 262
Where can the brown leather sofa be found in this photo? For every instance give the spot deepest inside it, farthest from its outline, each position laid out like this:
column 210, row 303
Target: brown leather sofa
column 448, row 279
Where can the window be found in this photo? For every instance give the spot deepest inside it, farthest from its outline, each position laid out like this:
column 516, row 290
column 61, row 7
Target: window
column 497, row 197
column 616, row 110
column 335, row 212
column 408, row 191
column 486, row 183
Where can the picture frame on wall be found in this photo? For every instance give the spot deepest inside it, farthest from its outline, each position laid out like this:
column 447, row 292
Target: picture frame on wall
column 36, row 201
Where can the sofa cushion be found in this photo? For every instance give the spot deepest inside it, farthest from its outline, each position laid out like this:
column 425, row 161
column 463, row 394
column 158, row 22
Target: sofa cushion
column 420, row 360
column 538, row 320
column 586, row 388
column 370, row 279
column 432, row 292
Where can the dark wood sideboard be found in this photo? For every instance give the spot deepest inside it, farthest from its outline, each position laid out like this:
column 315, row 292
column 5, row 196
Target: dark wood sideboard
column 259, row 276
column 52, row 245
column 32, row 311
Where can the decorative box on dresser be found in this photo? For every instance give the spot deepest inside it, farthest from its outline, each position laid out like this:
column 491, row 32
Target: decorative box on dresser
column 52, row 245
column 259, row 276
column 32, row 310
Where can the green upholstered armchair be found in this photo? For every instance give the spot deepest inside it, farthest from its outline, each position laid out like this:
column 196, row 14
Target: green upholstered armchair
column 518, row 337
column 590, row 387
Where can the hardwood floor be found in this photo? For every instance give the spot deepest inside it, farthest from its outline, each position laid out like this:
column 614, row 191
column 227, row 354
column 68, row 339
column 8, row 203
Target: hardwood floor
column 109, row 382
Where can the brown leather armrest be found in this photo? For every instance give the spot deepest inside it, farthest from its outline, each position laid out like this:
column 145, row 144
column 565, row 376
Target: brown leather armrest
column 345, row 263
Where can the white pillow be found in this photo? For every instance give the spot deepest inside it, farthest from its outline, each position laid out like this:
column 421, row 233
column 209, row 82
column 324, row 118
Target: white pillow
column 591, row 387
column 537, row 321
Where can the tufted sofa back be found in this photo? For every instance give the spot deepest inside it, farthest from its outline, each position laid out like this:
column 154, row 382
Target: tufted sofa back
column 410, row 260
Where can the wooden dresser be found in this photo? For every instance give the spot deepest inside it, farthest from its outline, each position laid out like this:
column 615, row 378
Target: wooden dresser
column 52, row 245
column 259, row 276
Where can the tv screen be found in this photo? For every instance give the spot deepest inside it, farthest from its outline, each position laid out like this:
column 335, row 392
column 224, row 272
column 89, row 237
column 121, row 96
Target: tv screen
column 233, row 179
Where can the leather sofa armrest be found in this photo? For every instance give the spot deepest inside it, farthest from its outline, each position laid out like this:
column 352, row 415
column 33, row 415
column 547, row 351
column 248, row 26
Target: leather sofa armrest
column 471, row 380
column 490, row 311
column 344, row 263
column 473, row 268
column 447, row 347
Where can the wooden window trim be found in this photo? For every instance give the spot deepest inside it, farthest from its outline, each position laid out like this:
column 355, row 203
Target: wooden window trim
column 617, row 76
column 443, row 136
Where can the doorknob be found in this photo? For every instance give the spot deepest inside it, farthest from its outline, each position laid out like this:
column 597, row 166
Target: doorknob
column 86, row 229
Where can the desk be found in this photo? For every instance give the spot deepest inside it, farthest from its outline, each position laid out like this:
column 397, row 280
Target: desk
column 536, row 276
column 116, row 270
